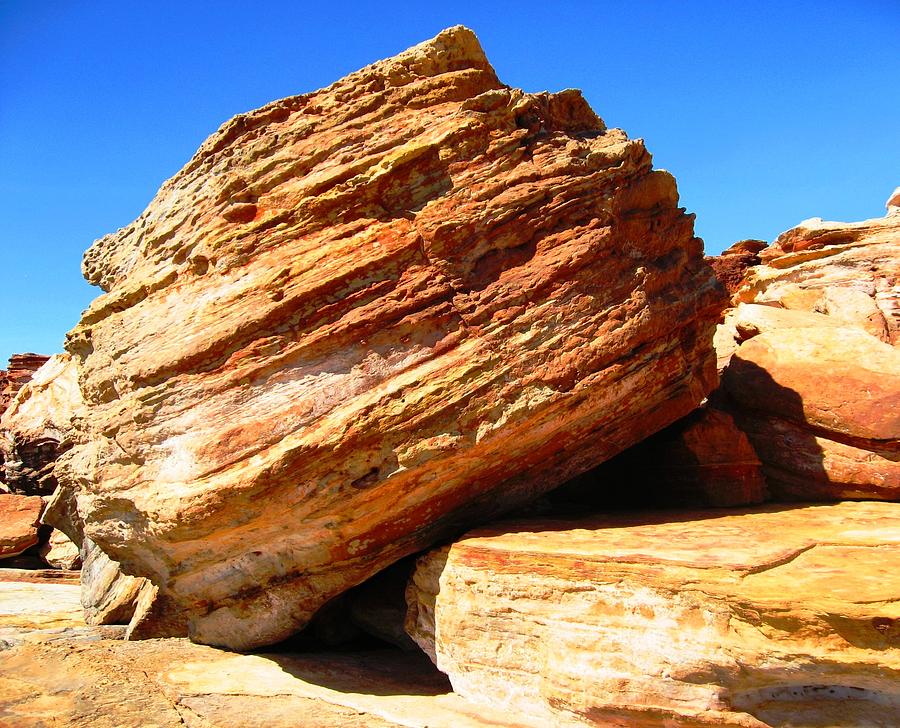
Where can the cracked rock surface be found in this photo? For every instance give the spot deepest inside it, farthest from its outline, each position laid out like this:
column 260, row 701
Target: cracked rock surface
column 782, row 615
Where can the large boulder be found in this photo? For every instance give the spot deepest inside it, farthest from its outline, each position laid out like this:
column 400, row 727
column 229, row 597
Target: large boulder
column 363, row 319
column 775, row 616
column 36, row 426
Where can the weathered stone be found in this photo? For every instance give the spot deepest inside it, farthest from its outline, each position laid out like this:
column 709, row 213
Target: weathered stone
column 850, row 271
column 822, row 408
column 777, row 616
column 701, row 460
column 60, row 552
column 19, row 521
column 365, row 318
column 21, row 367
column 107, row 595
column 731, row 265
column 36, row 426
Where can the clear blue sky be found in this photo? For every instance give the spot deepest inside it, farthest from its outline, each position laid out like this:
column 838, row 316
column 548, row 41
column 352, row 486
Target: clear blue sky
column 766, row 112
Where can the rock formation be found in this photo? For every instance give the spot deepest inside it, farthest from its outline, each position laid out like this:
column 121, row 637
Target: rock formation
column 361, row 319
column 21, row 368
column 778, row 616
column 809, row 370
column 36, row 425
column 19, row 521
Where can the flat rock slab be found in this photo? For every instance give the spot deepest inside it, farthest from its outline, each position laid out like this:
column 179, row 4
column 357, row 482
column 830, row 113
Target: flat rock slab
column 19, row 520
column 781, row 615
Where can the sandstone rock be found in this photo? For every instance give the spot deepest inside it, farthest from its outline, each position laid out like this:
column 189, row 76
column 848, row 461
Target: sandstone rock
column 60, row 552
column 822, row 408
column 701, row 460
column 847, row 270
column 21, row 368
column 731, row 264
column 778, row 616
column 19, row 520
column 36, row 426
column 362, row 319
column 107, row 595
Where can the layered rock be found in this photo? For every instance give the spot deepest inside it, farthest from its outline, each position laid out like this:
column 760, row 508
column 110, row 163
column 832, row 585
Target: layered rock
column 35, row 427
column 779, row 616
column 17, row 375
column 809, row 370
column 19, row 522
column 360, row 319
column 849, row 271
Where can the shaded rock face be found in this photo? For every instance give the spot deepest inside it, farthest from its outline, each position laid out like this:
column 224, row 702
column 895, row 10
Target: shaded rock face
column 681, row 618
column 19, row 521
column 360, row 319
column 702, row 460
column 36, row 425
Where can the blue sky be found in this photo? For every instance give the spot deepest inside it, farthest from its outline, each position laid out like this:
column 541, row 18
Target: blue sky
column 767, row 113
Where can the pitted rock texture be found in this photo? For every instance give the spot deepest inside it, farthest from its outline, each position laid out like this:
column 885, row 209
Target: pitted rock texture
column 776, row 616
column 36, row 426
column 363, row 319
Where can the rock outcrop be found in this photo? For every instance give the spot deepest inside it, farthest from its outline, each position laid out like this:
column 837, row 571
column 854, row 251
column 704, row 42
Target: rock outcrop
column 810, row 366
column 848, row 271
column 36, row 425
column 19, row 522
column 776, row 616
column 361, row 319
column 17, row 375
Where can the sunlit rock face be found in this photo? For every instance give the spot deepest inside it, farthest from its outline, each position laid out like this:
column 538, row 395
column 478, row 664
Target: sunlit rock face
column 363, row 319
column 37, row 425
column 775, row 616
column 811, row 366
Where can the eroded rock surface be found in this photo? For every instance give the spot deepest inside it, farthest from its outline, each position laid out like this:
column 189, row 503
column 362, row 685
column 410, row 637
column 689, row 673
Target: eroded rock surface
column 848, row 271
column 777, row 616
column 361, row 319
column 810, row 366
column 35, row 427
column 19, row 371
